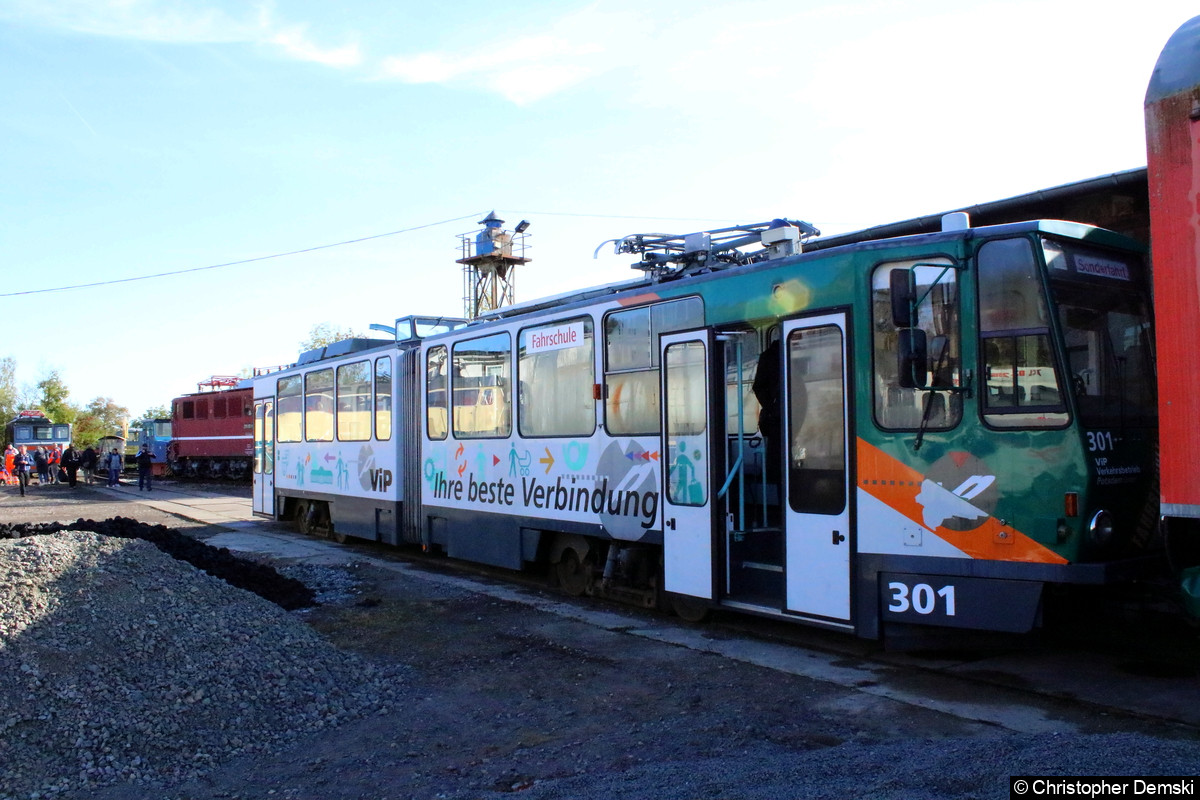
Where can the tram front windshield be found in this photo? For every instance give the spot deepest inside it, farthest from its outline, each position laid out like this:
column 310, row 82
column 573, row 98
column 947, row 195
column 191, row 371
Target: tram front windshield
column 1105, row 316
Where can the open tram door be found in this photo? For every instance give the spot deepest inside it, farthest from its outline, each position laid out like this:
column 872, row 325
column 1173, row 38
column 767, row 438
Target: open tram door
column 817, row 511
column 686, row 455
column 263, row 498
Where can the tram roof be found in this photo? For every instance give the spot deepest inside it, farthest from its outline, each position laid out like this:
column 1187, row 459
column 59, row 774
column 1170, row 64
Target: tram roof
column 1107, row 203
column 1090, row 234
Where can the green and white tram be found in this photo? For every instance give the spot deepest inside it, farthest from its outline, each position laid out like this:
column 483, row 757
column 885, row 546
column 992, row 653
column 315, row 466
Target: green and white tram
column 921, row 430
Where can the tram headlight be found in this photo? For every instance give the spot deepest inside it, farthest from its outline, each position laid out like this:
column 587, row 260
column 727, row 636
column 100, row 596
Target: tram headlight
column 1101, row 527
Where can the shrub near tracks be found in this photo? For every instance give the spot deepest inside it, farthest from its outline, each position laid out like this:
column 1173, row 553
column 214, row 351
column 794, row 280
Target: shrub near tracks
column 261, row 579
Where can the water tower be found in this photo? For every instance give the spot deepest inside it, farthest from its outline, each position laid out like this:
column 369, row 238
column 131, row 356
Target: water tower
column 490, row 257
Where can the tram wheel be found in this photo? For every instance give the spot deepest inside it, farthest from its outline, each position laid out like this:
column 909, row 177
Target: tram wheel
column 689, row 609
column 574, row 575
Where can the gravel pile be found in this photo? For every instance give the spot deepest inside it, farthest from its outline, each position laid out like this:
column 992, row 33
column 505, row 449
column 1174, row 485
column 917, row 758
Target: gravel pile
column 262, row 579
column 120, row 663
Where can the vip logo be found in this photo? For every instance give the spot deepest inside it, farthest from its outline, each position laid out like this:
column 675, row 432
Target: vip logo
column 381, row 479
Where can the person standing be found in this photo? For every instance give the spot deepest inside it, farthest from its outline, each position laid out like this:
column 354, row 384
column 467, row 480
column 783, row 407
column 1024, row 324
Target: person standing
column 53, row 460
column 70, row 464
column 41, row 463
column 88, row 461
column 21, row 465
column 145, row 461
column 115, row 463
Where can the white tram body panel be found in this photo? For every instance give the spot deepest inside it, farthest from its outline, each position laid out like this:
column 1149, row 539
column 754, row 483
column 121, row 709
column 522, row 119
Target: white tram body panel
column 334, row 441
column 491, row 479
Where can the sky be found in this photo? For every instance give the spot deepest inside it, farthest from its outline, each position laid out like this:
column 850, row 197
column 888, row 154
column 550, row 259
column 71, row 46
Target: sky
column 216, row 177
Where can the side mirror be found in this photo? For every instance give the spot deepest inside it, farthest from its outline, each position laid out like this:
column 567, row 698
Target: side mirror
column 903, row 286
column 913, row 358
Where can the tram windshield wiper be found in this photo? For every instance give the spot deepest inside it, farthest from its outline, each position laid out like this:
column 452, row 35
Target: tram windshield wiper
column 941, row 347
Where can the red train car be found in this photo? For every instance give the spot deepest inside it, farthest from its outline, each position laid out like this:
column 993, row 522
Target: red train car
column 1173, row 154
column 212, row 430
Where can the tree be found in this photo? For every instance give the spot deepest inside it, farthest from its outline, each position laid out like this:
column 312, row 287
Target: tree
column 325, row 334
column 158, row 412
column 102, row 417
column 9, row 394
column 53, row 399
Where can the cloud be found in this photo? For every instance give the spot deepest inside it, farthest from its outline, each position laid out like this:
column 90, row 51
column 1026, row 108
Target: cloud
column 548, row 59
column 523, row 70
column 178, row 22
column 295, row 43
column 144, row 20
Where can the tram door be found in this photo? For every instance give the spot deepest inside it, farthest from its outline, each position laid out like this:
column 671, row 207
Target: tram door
column 263, row 501
column 687, row 469
column 818, row 539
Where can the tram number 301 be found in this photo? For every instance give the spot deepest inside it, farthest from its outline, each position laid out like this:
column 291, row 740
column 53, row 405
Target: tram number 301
column 993, row 604
column 921, row 598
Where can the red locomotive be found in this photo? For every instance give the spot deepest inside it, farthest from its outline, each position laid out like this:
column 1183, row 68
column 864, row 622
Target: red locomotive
column 212, row 430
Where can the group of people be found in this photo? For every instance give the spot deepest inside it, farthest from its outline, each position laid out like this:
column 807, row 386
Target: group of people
column 55, row 465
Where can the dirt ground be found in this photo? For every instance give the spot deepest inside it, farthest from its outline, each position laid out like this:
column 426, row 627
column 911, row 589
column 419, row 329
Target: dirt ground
column 503, row 698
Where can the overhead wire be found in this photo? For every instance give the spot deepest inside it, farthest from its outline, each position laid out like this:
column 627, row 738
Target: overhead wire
column 234, row 263
column 614, row 216
column 169, row 273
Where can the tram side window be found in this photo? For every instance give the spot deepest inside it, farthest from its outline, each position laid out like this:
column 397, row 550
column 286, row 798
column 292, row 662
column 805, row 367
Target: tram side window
column 437, row 401
column 687, row 420
column 318, row 406
column 269, row 439
column 354, row 402
column 817, row 421
column 383, row 398
column 897, row 407
column 1021, row 382
column 631, row 361
column 555, row 373
column 290, row 412
column 259, row 439
column 481, row 387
